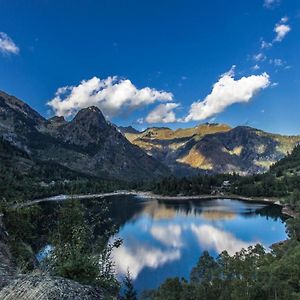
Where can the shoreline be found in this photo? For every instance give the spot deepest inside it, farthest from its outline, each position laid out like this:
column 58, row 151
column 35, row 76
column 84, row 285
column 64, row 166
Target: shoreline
column 149, row 195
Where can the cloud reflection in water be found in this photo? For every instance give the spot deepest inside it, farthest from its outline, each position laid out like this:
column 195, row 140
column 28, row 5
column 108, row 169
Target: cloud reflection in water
column 164, row 240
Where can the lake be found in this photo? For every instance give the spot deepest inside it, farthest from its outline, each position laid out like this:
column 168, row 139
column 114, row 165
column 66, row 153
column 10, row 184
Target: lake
column 164, row 239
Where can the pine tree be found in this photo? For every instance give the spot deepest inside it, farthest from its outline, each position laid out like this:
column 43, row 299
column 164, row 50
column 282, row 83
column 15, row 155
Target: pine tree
column 129, row 291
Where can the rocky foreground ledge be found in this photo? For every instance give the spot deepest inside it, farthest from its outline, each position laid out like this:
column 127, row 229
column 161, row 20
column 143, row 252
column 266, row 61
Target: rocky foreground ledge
column 42, row 286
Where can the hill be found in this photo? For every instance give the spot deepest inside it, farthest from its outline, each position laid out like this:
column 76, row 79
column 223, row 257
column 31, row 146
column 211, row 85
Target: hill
column 214, row 148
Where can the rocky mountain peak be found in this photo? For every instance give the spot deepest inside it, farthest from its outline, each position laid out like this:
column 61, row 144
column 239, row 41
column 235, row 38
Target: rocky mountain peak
column 20, row 107
column 91, row 111
column 57, row 119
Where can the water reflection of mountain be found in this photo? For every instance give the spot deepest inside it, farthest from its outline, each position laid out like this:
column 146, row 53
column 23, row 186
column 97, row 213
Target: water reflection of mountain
column 163, row 234
column 208, row 209
column 217, row 215
column 165, row 238
column 122, row 209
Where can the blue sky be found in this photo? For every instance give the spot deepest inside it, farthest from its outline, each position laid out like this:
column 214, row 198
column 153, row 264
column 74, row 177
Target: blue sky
column 166, row 56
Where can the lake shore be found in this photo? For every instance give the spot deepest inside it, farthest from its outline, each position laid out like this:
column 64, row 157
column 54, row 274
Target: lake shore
column 149, row 195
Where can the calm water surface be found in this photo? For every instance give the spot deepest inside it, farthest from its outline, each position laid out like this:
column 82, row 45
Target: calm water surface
column 165, row 239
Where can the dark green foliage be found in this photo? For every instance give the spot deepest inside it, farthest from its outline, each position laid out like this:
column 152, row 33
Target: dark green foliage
column 205, row 270
column 80, row 252
column 252, row 273
column 249, row 274
column 129, row 291
column 21, row 225
column 23, row 179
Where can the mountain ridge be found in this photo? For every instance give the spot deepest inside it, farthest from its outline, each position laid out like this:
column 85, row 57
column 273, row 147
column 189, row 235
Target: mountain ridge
column 85, row 144
column 90, row 144
column 214, row 148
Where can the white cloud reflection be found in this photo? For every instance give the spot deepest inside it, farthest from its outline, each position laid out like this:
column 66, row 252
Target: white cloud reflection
column 212, row 238
column 137, row 254
column 168, row 235
column 137, row 257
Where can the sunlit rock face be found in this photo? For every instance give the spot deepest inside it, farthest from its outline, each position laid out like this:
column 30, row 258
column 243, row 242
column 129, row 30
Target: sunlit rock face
column 165, row 240
column 213, row 148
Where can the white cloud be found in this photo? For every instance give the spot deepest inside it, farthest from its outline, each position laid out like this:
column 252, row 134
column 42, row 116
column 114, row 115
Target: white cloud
column 259, row 57
column 7, row 45
column 274, row 84
column 265, row 45
column 163, row 113
column 114, row 96
column 140, row 121
column 281, row 30
column 277, row 62
column 271, row 3
column 256, row 67
column 226, row 92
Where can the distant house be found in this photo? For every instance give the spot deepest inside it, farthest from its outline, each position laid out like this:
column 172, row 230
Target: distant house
column 226, row 183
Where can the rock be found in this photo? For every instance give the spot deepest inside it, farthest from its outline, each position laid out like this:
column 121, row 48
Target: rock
column 42, row 286
column 88, row 144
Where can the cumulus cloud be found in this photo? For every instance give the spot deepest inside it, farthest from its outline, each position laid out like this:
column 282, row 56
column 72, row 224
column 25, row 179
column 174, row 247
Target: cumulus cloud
column 7, row 45
column 114, row 96
column 281, row 29
column 163, row 113
column 226, row 92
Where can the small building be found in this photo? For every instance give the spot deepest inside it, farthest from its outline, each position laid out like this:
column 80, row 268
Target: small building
column 226, row 183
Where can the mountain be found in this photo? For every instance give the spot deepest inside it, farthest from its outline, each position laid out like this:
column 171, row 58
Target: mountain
column 128, row 129
column 214, row 148
column 91, row 146
column 88, row 144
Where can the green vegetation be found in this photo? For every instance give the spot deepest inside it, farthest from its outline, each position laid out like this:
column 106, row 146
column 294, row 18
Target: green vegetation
column 79, row 237
column 129, row 291
column 80, row 252
column 22, row 225
column 22, row 179
column 282, row 181
column 250, row 274
column 79, row 233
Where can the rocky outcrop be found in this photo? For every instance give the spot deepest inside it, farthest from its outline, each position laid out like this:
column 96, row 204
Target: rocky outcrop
column 44, row 287
column 87, row 144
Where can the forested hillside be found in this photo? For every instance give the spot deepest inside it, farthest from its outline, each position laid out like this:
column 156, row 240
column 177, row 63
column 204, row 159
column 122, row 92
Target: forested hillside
column 252, row 273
